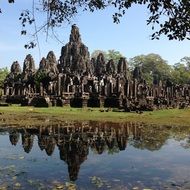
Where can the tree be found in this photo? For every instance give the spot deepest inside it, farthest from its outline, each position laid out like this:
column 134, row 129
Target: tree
column 3, row 73
column 115, row 55
column 181, row 73
column 95, row 54
column 171, row 18
column 186, row 61
column 152, row 66
column 108, row 55
column 41, row 76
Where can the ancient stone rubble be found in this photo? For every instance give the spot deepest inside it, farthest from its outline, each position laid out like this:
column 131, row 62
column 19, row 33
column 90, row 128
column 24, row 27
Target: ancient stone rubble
column 79, row 81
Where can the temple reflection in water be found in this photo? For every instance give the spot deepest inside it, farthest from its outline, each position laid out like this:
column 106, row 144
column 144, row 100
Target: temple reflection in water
column 74, row 140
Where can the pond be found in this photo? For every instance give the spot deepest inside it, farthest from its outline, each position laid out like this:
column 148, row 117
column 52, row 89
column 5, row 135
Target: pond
column 90, row 155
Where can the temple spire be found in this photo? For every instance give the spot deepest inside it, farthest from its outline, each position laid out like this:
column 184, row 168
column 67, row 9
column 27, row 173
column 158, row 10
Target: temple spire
column 75, row 35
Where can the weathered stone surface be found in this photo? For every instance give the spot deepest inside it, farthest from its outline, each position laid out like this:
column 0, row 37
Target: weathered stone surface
column 111, row 68
column 47, row 74
column 75, row 58
column 75, row 35
column 41, row 75
column 40, row 102
column 137, row 73
column 14, row 75
column 28, row 69
column 93, row 65
column 100, row 66
column 29, row 65
column 79, row 81
column 122, row 68
column 43, row 64
column 15, row 68
column 51, row 63
column 48, row 65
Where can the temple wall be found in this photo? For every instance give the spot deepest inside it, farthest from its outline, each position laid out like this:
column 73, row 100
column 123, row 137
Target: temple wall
column 77, row 81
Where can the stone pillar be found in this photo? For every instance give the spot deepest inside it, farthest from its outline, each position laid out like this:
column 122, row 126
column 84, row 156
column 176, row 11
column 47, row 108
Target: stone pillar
column 29, row 89
column 6, row 90
column 130, row 90
column 90, row 89
column 59, row 85
column 101, row 98
column 118, row 85
column 55, row 89
column 67, row 88
column 172, row 91
column 127, row 88
column 13, row 90
column 108, row 89
column 24, row 91
column 41, row 89
column 50, row 87
column 183, row 91
column 159, row 91
column 19, row 90
column 111, row 87
column 35, row 89
column 63, row 83
column 135, row 88
column 82, row 88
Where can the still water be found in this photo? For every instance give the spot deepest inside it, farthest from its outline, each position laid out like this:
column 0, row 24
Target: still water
column 93, row 155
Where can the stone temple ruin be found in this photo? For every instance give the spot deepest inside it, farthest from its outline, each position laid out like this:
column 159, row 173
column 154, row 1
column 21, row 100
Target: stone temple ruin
column 79, row 81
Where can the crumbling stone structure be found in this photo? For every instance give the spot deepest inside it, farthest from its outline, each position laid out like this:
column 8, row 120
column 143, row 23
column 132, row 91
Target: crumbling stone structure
column 78, row 81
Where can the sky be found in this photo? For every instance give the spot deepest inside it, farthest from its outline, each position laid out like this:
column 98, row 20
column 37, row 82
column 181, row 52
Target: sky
column 98, row 32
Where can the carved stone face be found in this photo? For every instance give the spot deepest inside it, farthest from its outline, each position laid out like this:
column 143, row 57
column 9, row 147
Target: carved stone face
column 15, row 68
column 122, row 65
column 29, row 64
column 110, row 67
column 75, row 57
column 100, row 58
column 75, row 35
column 100, row 67
column 51, row 57
column 42, row 64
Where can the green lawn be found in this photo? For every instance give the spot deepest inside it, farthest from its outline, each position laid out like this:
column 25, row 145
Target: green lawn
column 30, row 115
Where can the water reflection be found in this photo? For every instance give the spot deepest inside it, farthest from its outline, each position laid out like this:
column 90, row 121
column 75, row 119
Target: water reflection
column 74, row 140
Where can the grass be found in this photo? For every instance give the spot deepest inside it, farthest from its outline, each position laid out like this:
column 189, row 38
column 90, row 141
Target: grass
column 17, row 115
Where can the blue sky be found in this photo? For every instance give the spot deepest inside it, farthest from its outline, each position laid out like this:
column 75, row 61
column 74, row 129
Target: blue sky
column 131, row 37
